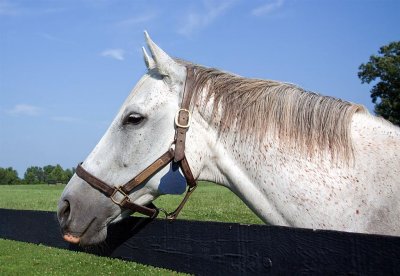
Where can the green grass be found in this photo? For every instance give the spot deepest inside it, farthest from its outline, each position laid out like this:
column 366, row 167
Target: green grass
column 30, row 197
column 18, row 258
column 209, row 202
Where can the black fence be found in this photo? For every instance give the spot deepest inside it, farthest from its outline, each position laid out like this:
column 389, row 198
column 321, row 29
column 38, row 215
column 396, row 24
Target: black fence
column 211, row 248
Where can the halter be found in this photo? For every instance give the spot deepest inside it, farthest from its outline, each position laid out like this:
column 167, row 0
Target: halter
column 177, row 155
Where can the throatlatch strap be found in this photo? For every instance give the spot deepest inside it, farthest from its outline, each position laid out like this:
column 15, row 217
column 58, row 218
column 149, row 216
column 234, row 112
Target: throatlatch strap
column 187, row 172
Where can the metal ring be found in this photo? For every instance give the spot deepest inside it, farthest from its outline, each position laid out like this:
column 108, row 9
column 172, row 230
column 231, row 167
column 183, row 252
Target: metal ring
column 119, row 190
column 177, row 116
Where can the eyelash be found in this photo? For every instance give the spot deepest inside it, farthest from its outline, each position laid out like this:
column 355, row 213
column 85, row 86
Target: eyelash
column 133, row 119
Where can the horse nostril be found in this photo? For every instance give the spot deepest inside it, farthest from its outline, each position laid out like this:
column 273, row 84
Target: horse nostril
column 64, row 212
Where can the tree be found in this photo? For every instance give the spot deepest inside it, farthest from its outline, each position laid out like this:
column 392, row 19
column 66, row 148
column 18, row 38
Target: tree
column 34, row 175
column 385, row 93
column 57, row 174
column 47, row 171
column 9, row 176
column 68, row 173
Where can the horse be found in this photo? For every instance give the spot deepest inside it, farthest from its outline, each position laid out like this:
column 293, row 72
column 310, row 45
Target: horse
column 295, row 158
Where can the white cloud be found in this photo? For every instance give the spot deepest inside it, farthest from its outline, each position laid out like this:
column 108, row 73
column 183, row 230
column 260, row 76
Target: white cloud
column 65, row 119
column 196, row 20
column 6, row 8
column 143, row 18
column 11, row 8
column 117, row 54
column 24, row 109
column 268, row 8
column 54, row 38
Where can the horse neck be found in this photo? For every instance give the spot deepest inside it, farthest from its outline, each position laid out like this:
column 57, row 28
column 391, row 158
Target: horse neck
column 237, row 168
column 233, row 162
column 259, row 172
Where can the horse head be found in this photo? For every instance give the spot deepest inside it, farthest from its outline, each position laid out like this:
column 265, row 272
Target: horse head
column 142, row 131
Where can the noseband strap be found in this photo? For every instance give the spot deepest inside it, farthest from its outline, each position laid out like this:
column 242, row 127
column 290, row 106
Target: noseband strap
column 120, row 194
column 123, row 191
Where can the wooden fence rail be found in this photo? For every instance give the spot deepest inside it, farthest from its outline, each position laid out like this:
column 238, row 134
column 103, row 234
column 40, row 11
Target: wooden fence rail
column 211, row 248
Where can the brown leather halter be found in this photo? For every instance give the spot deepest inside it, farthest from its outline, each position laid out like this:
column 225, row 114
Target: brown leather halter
column 177, row 155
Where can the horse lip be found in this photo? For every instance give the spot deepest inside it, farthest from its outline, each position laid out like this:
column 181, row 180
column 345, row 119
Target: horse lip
column 71, row 238
column 76, row 237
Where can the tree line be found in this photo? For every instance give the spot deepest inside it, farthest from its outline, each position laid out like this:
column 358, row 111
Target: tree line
column 36, row 175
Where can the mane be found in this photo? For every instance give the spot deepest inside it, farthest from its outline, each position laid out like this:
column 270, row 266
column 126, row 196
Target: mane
column 257, row 109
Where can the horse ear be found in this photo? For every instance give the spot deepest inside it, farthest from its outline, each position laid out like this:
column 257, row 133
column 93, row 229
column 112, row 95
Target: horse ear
column 164, row 64
column 150, row 64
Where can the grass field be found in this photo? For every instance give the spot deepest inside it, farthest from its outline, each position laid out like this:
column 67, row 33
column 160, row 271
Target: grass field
column 209, row 202
column 19, row 258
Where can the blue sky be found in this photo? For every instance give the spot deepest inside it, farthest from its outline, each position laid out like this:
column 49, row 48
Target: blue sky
column 66, row 66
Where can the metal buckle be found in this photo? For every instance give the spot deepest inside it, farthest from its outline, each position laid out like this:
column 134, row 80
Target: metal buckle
column 119, row 190
column 177, row 116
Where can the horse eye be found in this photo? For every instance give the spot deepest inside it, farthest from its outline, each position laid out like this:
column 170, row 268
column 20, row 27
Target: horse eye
column 133, row 119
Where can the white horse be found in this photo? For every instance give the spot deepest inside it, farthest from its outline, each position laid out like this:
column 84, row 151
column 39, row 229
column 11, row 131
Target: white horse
column 295, row 158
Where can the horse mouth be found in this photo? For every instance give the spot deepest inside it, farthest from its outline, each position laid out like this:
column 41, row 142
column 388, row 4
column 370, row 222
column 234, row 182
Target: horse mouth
column 78, row 237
